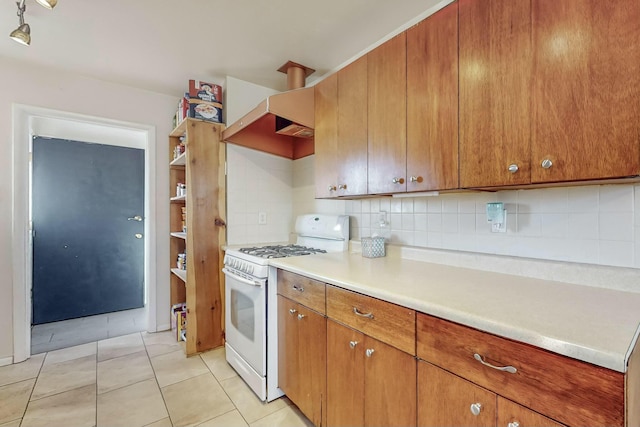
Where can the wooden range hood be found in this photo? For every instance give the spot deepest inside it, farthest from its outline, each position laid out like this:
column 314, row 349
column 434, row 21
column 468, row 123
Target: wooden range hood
column 283, row 123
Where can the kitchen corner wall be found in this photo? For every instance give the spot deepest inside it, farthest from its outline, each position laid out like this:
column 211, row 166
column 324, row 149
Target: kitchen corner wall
column 597, row 224
column 260, row 182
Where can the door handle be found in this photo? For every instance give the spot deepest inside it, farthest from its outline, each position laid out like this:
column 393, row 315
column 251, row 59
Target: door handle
column 135, row 218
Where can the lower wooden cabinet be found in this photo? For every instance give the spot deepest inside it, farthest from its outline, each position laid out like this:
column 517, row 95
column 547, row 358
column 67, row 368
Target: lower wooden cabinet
column 302, row 349
column 444, row 399
column 369, row 383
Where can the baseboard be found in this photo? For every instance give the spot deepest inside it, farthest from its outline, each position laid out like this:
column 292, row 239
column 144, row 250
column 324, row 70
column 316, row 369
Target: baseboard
column 6, row 361
column 165, row 327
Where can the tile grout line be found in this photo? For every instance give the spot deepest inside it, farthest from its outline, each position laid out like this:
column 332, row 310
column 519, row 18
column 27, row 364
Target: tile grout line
column 155, row 377
column 235, row 407
column 24, row 412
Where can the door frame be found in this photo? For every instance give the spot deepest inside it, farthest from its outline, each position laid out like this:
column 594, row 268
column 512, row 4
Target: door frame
column 29, row 121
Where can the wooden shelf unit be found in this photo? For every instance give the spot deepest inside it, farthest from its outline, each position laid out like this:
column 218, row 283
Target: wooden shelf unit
column 201, row 285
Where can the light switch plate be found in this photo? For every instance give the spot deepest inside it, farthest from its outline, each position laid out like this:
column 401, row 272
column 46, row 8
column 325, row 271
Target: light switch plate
column 262, row 218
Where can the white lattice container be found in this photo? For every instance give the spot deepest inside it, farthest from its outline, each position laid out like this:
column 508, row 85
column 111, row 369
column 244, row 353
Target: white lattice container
column 372, row 247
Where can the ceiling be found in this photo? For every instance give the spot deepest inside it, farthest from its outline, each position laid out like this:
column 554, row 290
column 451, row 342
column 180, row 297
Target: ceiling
column 158, row 45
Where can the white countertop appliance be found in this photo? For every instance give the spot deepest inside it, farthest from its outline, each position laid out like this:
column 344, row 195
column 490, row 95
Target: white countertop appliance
column 251, row 312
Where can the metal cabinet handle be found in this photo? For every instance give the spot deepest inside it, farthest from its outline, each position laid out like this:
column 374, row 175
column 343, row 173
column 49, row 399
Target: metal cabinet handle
column 398, row 180
column 513, row 168
column 332, row 188
column 361, row 314
column 135, row 218
column 513, row 424
column 353, row 344
column 546, row 163
column 369, row 352
column 509, row 369
column 298, row 288
column 475, row 408
column 292, row 311
column 342, row 187
column 301, row 316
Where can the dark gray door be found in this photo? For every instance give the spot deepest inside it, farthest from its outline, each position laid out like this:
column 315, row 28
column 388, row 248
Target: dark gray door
column 87, row 258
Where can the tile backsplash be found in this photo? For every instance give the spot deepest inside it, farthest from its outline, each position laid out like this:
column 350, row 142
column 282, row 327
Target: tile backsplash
column 258, row 183
column 597, row 224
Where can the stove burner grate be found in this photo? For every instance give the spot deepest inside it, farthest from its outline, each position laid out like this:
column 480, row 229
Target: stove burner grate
column 281, row 251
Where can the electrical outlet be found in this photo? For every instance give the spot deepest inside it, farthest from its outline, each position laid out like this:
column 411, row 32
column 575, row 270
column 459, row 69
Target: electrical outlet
column 262, row 218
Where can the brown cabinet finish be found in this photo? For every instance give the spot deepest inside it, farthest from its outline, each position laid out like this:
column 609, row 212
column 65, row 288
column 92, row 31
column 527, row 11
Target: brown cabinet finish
column 390, row 385
column 586, row 90
column 565, row 389
column 510, row 413
column 379, row 319
column 432, row 102
column 444, row 400
column 495, row 86
column 387, row 116
column 202, row 170
column 351, row 157
column 302, row 358
column 345, row 376
column 326, row 136
column 369, row 383
column 308, row 292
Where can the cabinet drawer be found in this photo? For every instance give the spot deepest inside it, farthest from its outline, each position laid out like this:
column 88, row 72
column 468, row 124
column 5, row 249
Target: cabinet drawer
column 307, row 292
column 568, row 390
column 387, row 322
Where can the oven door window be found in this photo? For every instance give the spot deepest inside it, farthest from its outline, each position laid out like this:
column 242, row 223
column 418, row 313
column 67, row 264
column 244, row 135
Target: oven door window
column 243, row 314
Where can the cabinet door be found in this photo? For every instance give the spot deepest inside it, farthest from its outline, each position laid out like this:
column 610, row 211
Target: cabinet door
column 511, row 414
column 495, row 81
column 312, row 363
column 345, row 376
column 288, row 346
column 432, row 102
column 351, row 156
column 326, row 136
column 387, row 116
column 445, row 399
column 586, row 89
column 389, row 385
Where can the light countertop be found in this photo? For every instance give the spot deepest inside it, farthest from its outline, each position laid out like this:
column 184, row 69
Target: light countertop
column 591, row 324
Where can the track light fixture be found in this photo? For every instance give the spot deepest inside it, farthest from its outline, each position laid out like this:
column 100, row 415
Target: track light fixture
column 22, row 34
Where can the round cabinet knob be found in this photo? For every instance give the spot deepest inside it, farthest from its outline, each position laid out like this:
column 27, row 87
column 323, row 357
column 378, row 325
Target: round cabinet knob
column 513, row 424
column 414, row 178
column 513, row 168
column 546, row 163
column 353, row 344
column 475, row 408
column 342, row 187
column 332, row 188
column 301, row 316
column 292, row 311
column 369, row 352
column 398, row 180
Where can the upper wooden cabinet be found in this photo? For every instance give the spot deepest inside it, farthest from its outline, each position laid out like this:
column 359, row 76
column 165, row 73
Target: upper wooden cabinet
column 495, row 102
column 326, row 136
column 352, row 129
column 387, row 116
column 586, row 90
column 341, row 132
column 432, row 102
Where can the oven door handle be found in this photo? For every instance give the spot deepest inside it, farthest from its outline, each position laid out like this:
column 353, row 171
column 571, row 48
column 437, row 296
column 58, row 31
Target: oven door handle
column 241, row 279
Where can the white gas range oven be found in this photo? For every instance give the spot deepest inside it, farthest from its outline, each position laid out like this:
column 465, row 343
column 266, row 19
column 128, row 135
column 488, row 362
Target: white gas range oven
column 251, row 303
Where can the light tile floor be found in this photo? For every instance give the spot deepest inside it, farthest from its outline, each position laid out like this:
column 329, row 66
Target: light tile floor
column 72, row 332
column 139, row 379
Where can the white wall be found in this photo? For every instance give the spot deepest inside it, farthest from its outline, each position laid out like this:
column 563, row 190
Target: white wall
column 597, row 224
column 21, row 83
